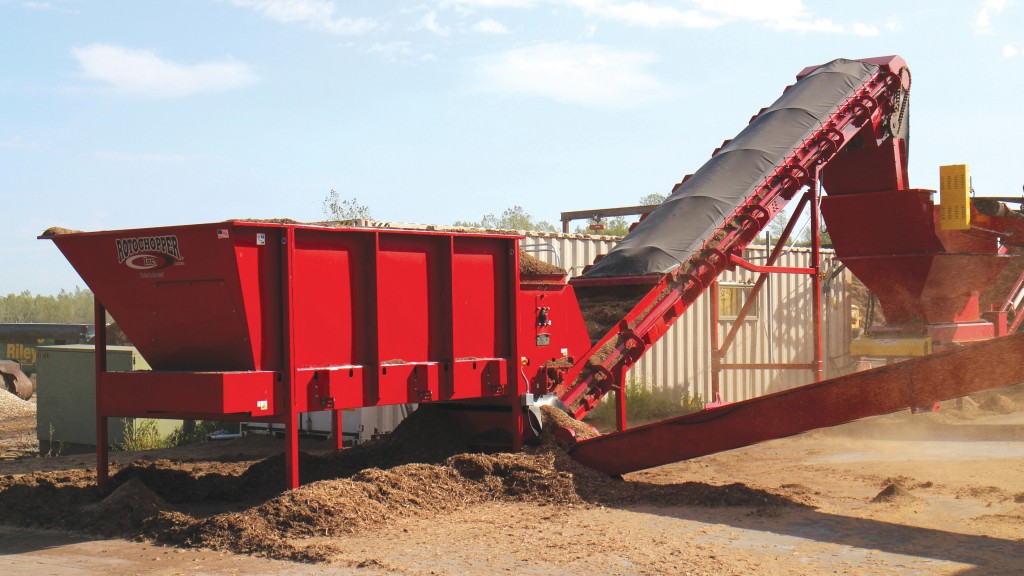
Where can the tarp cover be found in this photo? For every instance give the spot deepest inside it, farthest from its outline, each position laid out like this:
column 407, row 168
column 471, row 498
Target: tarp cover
column 681, row 225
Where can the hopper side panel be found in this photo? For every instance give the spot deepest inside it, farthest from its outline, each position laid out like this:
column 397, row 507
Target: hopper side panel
column 332, row 273
column 259, row 276
column 175, row 291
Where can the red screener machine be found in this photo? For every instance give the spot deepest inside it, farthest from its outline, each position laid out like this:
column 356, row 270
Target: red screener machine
column 261, row 321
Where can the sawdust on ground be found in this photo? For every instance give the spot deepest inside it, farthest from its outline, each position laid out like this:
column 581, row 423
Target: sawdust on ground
column 239, row 506
column 813, row 504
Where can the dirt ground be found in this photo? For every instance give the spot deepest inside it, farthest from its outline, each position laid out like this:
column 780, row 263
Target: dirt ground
column 939, row 493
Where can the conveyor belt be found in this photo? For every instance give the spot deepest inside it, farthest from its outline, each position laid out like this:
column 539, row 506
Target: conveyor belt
column 682, row 247
column 703, row 203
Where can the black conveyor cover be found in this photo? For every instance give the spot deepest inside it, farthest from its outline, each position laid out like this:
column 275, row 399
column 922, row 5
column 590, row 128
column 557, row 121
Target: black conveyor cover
column 684, row 222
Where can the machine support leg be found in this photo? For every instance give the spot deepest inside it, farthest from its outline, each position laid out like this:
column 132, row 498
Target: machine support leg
column 291, row 451
column 518, row 426
column 716, row 358
column 819, row 364
column 620, row 400
column 291, row 430
column 102, row 451
column 338, row 430
column 100, row 349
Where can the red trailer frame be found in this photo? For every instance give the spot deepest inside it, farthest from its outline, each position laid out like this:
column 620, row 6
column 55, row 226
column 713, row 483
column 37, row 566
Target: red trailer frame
column 311, row 318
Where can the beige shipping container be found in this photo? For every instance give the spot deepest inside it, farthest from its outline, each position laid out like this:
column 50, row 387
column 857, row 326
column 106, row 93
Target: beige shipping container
column 778, row 331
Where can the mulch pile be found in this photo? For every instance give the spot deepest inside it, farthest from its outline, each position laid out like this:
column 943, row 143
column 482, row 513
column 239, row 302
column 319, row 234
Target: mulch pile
column 13, row 407
column 423, row 468
column 898, row 491
column 1006, row 400
column 57, row 231
column 533, row 266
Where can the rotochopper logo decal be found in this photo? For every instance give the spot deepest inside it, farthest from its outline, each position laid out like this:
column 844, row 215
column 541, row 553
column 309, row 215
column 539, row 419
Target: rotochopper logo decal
column 148, row 253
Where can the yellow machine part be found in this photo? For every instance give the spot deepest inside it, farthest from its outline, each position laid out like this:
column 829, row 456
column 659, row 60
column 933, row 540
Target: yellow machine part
column 954, row 197
column 891, row 347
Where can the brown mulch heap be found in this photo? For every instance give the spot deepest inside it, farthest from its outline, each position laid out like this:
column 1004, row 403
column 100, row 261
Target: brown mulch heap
column 999, row 404
column 57, row 230
column 11, row 406
column 423, row 468
column 533, row 266
column 266, row 220
column 895, row 491
column 555, row 418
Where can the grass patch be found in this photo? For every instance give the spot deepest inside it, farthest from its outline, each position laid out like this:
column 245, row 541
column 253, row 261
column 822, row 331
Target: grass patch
column 142, row 434
column 644, row 404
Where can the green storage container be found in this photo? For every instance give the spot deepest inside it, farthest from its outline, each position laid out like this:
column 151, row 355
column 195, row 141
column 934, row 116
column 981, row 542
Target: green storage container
column 66, row 398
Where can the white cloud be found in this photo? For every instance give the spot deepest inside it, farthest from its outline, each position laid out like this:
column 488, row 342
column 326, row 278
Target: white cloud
column 801, row 25
column 429, row 23
column 317, row 14
column 391, row 50
column 19, row 143
column 398, row 51
column 646, row 14
column 757, row 10
column 983, row 20
column 1011, row 51
column 489, row 26
column 861, row 29
column 893, row 25
column 48, row 7
column 586, row 74
column 488, row 3
column 781, row 15
column 141, row 157
column 141, row 72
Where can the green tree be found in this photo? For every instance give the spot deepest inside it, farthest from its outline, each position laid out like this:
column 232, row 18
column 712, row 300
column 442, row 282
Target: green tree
column 618, row 226
column 67, row 306
column 336, row 208
column 652, row 199
column 801, row 235
column 775, row 229
column 514, row 218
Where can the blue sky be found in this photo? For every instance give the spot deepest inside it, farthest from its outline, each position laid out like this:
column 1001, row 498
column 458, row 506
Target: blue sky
column 123, row 114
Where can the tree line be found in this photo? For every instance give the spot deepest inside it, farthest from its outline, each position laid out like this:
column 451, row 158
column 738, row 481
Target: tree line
column 513, row 218
column 67, row 306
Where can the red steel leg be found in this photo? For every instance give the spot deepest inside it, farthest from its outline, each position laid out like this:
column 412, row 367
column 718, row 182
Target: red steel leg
column 338, row 430
column 819, row 364
column 100, row 349
column 291, row 430
column 291, row 450
column 716, row 351
column 620, row 400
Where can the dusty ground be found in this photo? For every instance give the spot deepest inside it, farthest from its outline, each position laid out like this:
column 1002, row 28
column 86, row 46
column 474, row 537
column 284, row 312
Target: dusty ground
column 928, row 494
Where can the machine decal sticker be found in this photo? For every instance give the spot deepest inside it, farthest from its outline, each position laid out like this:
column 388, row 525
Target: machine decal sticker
column 148, row 253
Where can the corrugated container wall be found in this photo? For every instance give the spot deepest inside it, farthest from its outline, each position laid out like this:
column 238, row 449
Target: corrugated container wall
column 780, row 332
